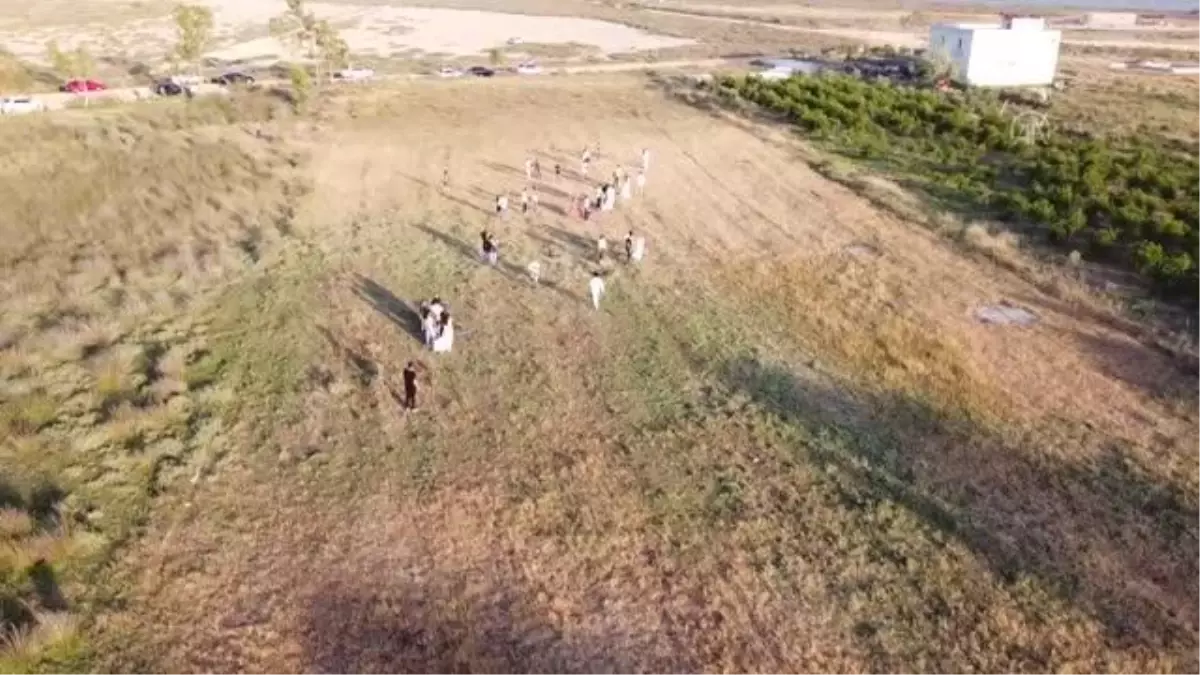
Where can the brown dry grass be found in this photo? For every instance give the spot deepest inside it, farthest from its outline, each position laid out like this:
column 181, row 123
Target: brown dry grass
column 119, row 221
column 767, row 452
column 1099, row 98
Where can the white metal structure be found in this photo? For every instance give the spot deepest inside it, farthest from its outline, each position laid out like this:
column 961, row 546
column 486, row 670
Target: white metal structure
column 20, row 105
column 1021, row 52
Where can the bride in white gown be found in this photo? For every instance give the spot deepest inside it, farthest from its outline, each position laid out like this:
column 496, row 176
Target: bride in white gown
column 444, row 342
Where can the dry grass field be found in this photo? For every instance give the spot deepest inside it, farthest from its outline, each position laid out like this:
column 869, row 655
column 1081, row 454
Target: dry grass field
column 784, row 443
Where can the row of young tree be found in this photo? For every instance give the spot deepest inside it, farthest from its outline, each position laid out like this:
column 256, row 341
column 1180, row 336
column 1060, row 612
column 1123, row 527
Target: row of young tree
column 1133, row 201
column 316, row 38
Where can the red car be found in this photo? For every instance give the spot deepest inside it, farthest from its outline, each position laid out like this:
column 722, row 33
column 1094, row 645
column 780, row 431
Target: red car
column 82, row 86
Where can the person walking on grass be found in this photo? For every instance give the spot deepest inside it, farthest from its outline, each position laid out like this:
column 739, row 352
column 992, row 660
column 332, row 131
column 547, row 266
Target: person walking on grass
column 629, row 246
column 525, row 201
column 596, row 288
column 502, row 205
column 535, row 272
column 557, row 172
column 601, row 248
column 528, row 168
column 641, row 181
column 410, row 386
column 490, row 252
column 626, row 188
column 446, row 178
column 537, row 169
column 645, row 159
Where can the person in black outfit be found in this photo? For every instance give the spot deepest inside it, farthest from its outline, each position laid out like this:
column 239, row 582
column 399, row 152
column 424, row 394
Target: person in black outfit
column 629, row 246
column 410, row 386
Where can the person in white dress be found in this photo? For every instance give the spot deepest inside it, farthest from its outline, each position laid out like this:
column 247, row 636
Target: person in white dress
column 601, row 247
column 444, row 342
column 645, row 159
column 641, row 182
column 626, row 189
column 596, row 287
column 639, row 249
column 429, row 327
column 610, row 198
column 535, row 272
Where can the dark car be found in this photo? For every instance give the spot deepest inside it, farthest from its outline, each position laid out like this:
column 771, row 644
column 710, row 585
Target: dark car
column 480, row 71
column 233, row 77
column 169, row 88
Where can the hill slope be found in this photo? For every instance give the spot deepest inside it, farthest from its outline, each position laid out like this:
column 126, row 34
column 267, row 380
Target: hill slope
column 783, row 444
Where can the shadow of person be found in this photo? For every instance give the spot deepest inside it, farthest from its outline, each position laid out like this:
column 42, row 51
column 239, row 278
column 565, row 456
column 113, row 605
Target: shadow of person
column 391, row 307
column 436, row 627
column 464, row 249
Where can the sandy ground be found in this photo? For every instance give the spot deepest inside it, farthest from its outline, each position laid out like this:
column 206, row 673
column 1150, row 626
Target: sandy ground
column 873, row 19
column 369, row 29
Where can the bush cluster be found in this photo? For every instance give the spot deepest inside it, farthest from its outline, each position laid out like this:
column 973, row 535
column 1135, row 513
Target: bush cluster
column 1130, row 201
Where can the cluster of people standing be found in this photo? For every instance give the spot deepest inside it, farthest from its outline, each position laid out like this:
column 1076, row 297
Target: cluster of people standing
column 437, row 326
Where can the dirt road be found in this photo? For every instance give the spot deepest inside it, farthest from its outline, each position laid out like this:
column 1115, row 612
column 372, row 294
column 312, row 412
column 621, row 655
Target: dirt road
column 59, row 100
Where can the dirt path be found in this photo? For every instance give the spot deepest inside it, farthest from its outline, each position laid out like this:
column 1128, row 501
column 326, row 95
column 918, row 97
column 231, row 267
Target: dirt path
column 58, row 100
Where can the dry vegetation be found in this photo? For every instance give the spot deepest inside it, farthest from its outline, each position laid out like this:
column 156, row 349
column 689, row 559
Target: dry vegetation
column 783, row 445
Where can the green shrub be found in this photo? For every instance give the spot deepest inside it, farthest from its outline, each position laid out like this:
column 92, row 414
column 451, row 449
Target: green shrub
column 1135, row 197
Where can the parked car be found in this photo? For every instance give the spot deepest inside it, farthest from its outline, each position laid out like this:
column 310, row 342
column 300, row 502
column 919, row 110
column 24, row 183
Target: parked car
column 233, row 77
column 169, row 88
column 82, row 86
column 448, row 71
column 481, row 71
column 20, row 105
column 354, row 74
column 529, row 68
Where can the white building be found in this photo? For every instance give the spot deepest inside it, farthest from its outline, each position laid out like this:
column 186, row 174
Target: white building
column 1020, row 52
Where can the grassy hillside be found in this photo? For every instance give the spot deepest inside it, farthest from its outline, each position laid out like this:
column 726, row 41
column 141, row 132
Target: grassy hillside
column 782, row 444
column 118, row 223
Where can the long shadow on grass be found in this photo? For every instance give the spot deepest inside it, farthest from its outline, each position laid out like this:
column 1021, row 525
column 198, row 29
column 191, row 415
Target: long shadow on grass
column 1103, row 534
column 507, row 269
column 391, row 307
column 479, row 625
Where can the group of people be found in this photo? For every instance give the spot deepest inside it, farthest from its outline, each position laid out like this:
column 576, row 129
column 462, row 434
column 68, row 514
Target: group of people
column 437, row 325
column 605, row 197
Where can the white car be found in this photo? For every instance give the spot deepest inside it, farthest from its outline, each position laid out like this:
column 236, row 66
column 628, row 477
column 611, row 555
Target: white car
column 20, row 105
column 354, row 74
column 529, row 68
column 185, row 80
column 448, row 71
